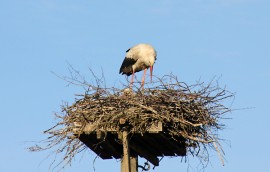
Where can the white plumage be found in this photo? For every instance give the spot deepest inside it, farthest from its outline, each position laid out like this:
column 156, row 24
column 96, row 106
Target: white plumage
column 138, row 58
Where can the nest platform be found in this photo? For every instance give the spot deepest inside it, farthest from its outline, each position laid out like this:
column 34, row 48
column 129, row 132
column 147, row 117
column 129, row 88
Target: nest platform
column 151, row 144
column 168, row 119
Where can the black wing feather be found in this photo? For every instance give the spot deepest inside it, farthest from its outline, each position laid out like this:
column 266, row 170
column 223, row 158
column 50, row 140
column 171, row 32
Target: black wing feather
column 126, row 67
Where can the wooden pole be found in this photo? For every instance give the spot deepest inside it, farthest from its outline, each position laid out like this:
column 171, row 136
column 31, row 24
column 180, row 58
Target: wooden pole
column 134, row 163
column 125, row 163
column 128, row 163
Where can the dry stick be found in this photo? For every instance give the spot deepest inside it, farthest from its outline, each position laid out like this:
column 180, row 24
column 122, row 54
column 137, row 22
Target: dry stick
column 220, row 156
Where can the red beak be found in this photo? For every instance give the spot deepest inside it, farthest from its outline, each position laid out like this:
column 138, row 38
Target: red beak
column 151, row 72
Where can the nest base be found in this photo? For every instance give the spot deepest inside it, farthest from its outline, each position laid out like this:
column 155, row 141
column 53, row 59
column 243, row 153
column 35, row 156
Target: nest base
column 150, row 145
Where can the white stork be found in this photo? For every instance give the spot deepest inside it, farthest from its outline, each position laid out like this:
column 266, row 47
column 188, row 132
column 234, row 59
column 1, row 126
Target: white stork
column 138, row 58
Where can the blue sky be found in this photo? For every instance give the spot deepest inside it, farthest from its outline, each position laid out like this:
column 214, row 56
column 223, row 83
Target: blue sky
column 195, row 39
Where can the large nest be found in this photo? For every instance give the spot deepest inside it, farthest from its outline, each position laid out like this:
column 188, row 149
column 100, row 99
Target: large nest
column 193, row 112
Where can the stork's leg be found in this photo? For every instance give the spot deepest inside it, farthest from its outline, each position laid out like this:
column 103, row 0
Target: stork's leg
column 132, row 80
column 143, row 78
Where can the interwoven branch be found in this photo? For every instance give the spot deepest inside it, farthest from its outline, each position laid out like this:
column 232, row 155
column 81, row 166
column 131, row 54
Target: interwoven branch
column 193, row 112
